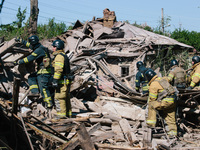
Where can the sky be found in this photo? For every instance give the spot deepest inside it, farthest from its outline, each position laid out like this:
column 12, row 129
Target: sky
column 184, row 14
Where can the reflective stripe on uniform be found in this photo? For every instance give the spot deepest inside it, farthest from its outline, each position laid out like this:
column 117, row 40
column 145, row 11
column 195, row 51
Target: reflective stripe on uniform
column 153, row 95
column 172, row 132
column 27, row 44
column 136, row 80
column 44, row 71
column 168, row 99
column 59, row 64
column 57, row 75
column 192, row 84
column 45, row 93
column 171, row 75
column 69, row 113
column 34, row 54
column 61, row 114
column 26, row 60
column 47, row 99
column 34, row 86
column 136, row 88
column 152, row 122
column 196, row 75
column 145, row 88
column 64, row 82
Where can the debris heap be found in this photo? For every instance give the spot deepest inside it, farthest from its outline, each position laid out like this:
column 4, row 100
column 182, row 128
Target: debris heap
column 107, row 111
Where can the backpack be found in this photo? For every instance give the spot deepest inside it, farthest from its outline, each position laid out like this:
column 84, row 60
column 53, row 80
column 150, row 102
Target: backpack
column 66, row 69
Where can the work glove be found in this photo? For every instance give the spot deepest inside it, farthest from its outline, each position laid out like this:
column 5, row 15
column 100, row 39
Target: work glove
column 55, row 83
column 16, row 63
column 49, row 105
column 137, row 89
column 189, row 88
column 19, row 39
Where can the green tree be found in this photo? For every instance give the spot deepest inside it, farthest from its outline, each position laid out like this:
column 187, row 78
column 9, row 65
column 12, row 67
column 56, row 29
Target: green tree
column 20, row 17
column 190, row 38
column 51, row 29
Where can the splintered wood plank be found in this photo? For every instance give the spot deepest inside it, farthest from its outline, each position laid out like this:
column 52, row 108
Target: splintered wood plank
column 126, row 112
column 112, row 117
column 77, row 104
column 101, row 120
column 126, row 128
column 118, row 131
column 74, row 142
column 103, row 136
column 96, row 107
column 89, row 115
column 147, row 137
column 109, row 146
column 94, row 128
column 71, row 144
column 130, row 112
column 7, row 46
column 84, row 138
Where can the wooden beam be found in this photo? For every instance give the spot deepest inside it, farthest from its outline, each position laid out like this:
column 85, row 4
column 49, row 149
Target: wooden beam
column 70, row 145
column 7, row 46
column 15, row 95
column 84, row 138
column 126, row 128
column 117, row 147
column 118, row 131
column 104, row 136
column 101, row 120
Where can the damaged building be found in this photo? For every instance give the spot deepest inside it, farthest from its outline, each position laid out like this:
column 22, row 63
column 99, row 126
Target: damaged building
column 107, row 111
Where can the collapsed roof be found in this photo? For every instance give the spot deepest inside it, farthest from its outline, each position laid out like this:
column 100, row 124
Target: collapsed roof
column 115, row 120
column 122, row 37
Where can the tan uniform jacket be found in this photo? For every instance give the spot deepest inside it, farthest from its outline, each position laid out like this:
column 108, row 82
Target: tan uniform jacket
column 195, row 75
column 174, row 71
column 58, row 64
column 155, row 88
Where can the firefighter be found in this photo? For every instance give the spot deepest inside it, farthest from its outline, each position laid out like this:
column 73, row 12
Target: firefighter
column 177, row 75
column 140, row 78
column 161, row 97
column 38, row 81
column 195, row 74
column 61, row 81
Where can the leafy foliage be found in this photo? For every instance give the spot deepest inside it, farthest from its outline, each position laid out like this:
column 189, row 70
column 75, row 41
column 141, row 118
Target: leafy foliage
column 20, row 17
column 16, row 28
column 190, row 38
column 51, row 29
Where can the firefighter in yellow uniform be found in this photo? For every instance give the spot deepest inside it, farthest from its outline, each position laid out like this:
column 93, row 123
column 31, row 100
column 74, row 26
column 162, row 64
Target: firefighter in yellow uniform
column 61, row 82
column 161, row 97
column 195, row 74
column 177, row 75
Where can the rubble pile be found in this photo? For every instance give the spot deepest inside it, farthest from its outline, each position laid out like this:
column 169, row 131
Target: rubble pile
column 107, row 112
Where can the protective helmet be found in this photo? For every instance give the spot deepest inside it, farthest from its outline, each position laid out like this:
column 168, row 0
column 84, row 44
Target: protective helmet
column 195, row 59
column 139, row 64
column 33, row 40
column 149, row 74
column 59, row 44
column 173, row 62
